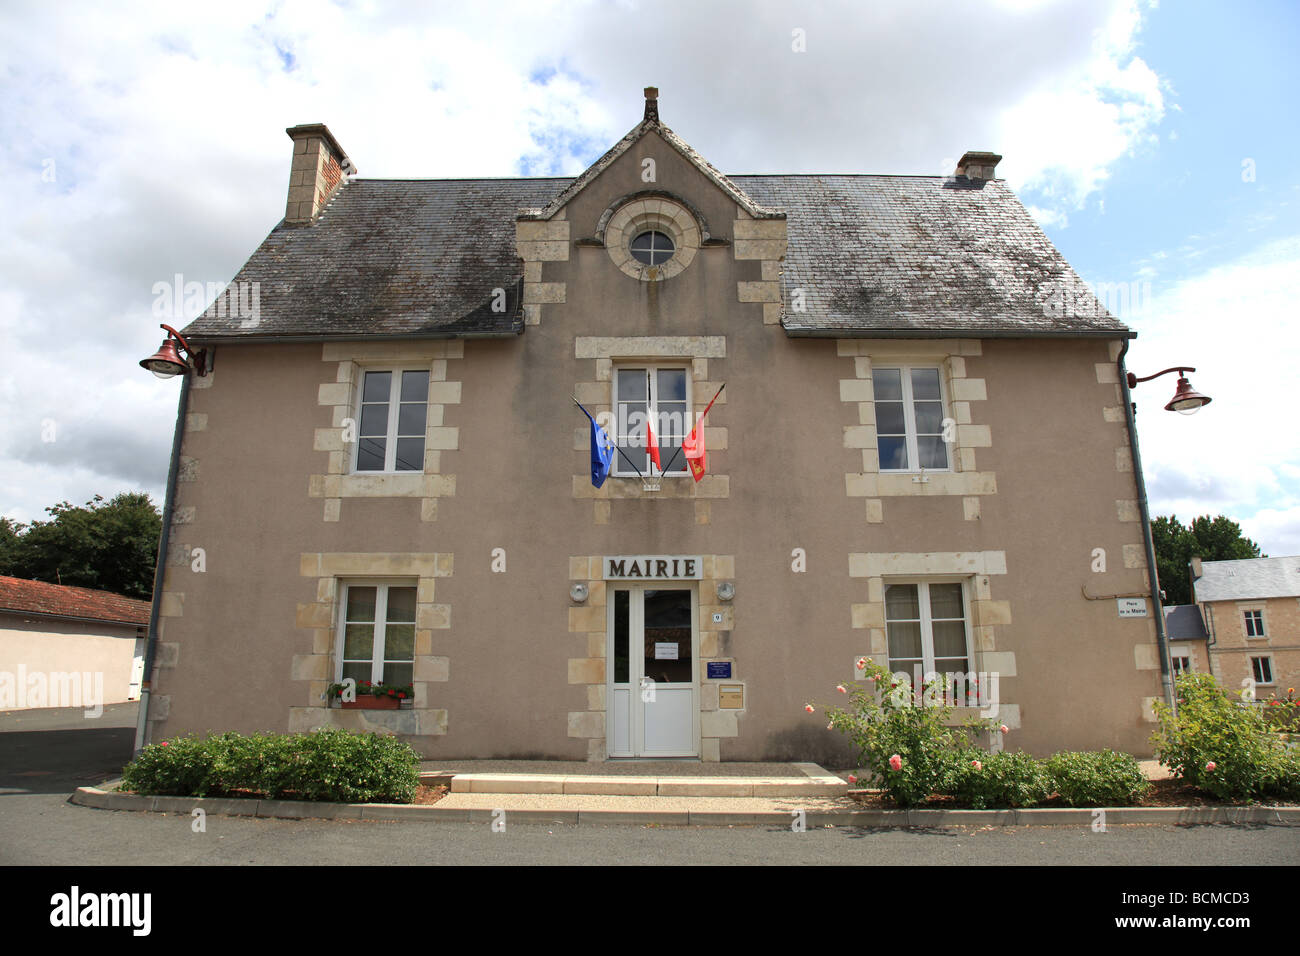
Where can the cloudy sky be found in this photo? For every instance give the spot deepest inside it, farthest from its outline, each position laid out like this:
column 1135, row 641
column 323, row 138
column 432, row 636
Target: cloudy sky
column 1157, row 145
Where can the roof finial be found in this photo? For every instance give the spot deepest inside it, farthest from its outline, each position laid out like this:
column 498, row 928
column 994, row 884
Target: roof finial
column 652, row 104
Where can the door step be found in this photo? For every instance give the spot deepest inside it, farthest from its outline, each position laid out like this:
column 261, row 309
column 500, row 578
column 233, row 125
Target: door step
column 806, row 780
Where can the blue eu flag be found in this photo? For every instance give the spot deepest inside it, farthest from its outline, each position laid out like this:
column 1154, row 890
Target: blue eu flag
column 602, row 451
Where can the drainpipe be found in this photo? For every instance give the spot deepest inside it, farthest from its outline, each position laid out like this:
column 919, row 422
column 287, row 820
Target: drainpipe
column 1162, row 643
column 160, row 571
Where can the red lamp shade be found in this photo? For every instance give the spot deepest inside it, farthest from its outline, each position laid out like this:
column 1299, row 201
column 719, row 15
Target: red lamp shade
column 1186, row 400
column 166, row 362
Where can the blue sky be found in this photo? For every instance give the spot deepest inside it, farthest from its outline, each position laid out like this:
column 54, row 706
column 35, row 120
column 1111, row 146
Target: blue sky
column 147, row 139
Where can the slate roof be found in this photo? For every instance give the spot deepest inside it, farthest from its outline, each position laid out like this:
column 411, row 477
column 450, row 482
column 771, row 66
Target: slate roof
column 875, row 255
column 1183, row 622
column 54, row 600
column 1249, row 579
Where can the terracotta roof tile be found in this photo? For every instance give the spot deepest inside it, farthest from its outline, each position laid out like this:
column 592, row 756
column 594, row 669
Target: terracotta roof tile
column 37, row 597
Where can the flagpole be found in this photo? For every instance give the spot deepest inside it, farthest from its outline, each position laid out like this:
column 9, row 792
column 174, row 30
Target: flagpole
column 616, row 448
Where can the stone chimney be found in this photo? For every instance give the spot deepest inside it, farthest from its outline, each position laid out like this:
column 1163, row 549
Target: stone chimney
column 652, row 104
column 977, row 165
column 1196, row 568
column 319, row 165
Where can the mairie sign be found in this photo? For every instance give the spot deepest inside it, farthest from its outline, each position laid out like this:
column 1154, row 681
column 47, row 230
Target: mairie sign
column 654, row 567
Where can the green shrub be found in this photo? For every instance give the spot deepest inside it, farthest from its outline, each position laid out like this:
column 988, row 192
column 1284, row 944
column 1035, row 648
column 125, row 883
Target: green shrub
column 986, row 781
column 1220, row 745
column 903, row 740
column 329, row 765
column 1102, row 778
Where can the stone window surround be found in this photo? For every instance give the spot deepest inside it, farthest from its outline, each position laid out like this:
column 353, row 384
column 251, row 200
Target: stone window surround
column 963, row 478
column 589, row 621
column 311, row 674
column 629, row 217
column 986, row 615
column 340, row 395
column 597, row 396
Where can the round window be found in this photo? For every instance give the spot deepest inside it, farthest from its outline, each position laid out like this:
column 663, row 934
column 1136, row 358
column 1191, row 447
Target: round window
column 653, row 248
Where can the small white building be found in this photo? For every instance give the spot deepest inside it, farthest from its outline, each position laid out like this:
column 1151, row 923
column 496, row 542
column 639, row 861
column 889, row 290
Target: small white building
column 68, row 647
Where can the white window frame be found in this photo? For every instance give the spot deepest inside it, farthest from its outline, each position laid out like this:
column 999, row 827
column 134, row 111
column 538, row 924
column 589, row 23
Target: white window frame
column 909, row 415
column 394, row 410
column 1180, row 671
column 1246, row 613
column 377, row 655
column 619, row 467
column 1267, row 659
column 927, row 632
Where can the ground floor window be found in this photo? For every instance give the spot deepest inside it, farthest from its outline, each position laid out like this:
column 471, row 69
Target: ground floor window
column 1182, row 665
column 929, row 633
column 376, row 640
column 1262, row 668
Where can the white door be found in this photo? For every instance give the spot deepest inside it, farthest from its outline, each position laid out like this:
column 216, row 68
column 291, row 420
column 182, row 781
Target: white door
column 653, row 654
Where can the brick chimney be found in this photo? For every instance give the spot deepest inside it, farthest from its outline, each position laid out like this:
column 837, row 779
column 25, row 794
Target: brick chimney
column 319, row 165
column 977, row 165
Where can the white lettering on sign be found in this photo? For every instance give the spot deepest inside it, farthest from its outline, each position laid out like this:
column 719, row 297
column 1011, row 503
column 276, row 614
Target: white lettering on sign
column 1132, row 607
column 654, row 567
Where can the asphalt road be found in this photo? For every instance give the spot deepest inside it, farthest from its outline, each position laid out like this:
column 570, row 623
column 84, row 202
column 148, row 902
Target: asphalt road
column 45, row 755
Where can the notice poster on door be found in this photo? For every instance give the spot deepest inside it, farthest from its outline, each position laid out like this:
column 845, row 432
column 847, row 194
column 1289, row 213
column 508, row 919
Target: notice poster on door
column 665, row 651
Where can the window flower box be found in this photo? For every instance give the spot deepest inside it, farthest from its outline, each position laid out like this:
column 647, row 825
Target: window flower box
column 371, row 702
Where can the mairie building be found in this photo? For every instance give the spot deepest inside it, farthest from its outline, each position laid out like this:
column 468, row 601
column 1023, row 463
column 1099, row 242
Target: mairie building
column 386, row 472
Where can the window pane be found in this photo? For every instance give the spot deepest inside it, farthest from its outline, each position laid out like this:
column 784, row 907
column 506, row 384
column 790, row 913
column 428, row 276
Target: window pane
column 889, row 418
column 399, row 642
column 410, row 419
column 904, row 640
column 378, row 387
column 410, row 454
column 370, row 454
column 374, row 420
column 361, row 604
column 949, row 639
column 929, row 418
column 632, row 385
column 925, row 384
column 893, row 452
column 621, row 637
column 398, row 673
column 359, row 643
column 901, row 603
column 357, row 671
column 401, row 605
column 415, row 386
column 672, row 385
column 932, row 452
column 887, row 383
column 945, row 601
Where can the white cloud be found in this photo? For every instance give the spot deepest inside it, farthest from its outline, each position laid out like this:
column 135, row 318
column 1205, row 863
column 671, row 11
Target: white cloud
column 1239, row 455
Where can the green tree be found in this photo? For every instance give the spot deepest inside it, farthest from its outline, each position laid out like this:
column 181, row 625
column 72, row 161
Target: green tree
column 111, row 546
column 1211, row 539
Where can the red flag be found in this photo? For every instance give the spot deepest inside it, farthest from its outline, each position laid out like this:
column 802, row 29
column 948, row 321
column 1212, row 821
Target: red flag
column 693, row 445
column 653, row 445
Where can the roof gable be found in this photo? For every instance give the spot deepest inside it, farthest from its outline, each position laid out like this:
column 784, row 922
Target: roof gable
column 651, row 124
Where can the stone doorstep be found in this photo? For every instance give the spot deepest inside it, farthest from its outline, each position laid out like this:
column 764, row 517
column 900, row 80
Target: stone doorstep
column 1081, row 816
column 507, row 783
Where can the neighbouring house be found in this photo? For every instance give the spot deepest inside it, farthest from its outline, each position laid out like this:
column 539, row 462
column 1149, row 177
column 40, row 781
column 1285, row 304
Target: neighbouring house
column 1185, row 631
column 68, row 647
column 920, row 452
column 1252, row 612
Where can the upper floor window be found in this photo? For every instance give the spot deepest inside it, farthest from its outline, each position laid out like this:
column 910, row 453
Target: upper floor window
column 1254, row 623
column 658, row 395
column 653, row 248
column 391, row 420
column 909, row 418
